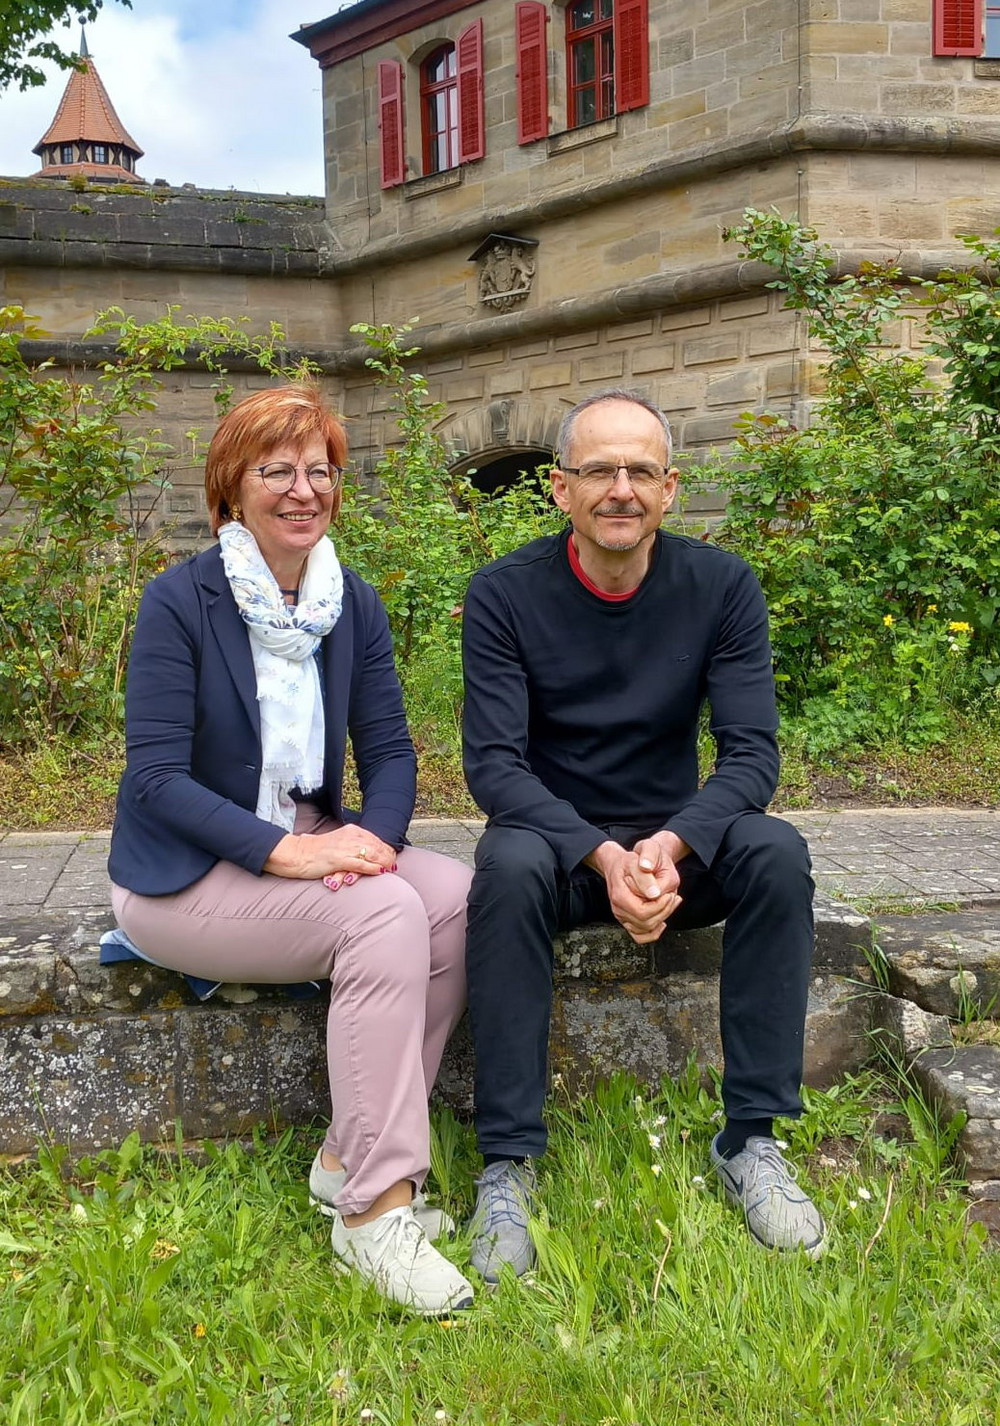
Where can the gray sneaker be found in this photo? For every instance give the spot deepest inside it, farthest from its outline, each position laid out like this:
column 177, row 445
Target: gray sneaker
column 779, row 1213
column 325, row 1184
column 500, row 1220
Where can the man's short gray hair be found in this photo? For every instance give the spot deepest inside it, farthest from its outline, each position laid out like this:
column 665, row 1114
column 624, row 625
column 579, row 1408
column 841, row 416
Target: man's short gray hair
column 613, row 393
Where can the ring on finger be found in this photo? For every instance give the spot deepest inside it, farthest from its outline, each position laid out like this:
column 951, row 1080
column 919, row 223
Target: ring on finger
column 363, row 853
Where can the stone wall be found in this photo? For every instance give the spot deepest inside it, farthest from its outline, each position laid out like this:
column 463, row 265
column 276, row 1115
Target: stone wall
column 875, row 57
column 832, row 109
column 67, row 255
column 703, row 364
column 720, row 69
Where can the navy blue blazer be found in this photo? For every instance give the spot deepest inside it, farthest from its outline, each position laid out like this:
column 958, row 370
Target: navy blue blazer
column 192, row 724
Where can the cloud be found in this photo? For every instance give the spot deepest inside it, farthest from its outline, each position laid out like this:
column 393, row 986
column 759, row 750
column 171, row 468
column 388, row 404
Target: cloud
column 214, row 92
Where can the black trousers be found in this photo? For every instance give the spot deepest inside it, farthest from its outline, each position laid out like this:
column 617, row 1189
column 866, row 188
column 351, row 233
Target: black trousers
column 759, row 882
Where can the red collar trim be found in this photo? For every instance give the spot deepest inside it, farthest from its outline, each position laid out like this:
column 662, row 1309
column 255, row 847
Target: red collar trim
column 577, row 568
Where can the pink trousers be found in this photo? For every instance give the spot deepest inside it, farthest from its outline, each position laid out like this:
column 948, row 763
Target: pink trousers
column 393, row 947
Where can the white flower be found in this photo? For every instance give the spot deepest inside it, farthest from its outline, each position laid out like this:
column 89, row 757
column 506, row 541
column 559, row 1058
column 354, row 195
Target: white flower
column 852, row 1203
column 78, row 1211
column 782, row 1144
column 659, row 1121
column 440, row 1416
column 655, row 1170
column 698, row 1181
column 599, row 1202
column 654, row 1141
column 863, row 1193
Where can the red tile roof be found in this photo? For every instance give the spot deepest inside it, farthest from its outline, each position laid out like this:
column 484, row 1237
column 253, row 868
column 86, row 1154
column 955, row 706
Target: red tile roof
column 86, row 112
column 95, row 171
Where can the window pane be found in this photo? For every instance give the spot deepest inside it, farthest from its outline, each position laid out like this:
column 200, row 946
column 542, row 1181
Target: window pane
column 606, row 104
column 584, row 62
column 992, row 47
column 441, row 66
column 586, row 106
column 607, row 9
column 437, row 104
column 582, row 14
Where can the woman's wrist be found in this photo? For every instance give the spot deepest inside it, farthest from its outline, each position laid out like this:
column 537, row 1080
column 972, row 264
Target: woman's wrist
column 285, row 856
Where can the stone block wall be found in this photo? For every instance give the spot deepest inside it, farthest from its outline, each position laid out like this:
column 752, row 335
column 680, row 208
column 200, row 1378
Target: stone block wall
column 876, row 57
column 705, row 365
column 65, row 256
column 719, row 70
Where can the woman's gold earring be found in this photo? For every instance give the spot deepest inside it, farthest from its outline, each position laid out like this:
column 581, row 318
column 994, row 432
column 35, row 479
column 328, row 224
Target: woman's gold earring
column 236, row 511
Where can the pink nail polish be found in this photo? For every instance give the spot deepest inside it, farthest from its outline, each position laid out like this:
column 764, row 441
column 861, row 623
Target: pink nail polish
column 350, row 879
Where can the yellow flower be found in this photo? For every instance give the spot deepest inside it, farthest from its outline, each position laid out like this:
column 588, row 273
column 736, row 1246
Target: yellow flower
column 932, row 609
column 163, row 1248
column 199, row 1329
column 959, row 626
column 888, row 621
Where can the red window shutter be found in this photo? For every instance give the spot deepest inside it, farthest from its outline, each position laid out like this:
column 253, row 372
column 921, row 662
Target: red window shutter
column 958, row 27
column 390, row 122
column 631, row 54
column 471, row 118
column 530, row 20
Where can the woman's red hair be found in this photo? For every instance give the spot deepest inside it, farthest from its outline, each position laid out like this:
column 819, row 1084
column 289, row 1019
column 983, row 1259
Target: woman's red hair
column 278, row 416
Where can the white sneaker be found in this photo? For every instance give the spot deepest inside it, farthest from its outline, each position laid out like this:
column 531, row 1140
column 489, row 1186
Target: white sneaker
column 392, row 1252
column 325, row 1184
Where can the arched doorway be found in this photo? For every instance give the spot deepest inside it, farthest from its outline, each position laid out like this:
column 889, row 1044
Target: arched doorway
column 497, row 472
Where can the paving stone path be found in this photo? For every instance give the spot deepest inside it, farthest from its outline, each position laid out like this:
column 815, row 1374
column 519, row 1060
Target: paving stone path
column 87, row 1054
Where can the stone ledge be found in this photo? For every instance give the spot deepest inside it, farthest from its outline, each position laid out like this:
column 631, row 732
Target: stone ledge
column 90, row 1079
column 943, row 961
column 966, row 1079
column 49, row 962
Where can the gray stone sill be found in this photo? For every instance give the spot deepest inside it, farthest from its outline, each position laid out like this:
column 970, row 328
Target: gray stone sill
column 586, row 134
column 432, row 183
column 986, row 68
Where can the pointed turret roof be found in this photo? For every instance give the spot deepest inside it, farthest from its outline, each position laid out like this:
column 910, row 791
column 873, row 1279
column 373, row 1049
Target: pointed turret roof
column 86, row 116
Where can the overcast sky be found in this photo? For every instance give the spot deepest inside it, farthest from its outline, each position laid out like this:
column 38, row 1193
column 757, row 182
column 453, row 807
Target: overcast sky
column 213, row 91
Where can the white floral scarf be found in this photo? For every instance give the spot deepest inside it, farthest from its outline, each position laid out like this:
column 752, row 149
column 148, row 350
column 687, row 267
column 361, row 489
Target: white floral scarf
column 283, row 641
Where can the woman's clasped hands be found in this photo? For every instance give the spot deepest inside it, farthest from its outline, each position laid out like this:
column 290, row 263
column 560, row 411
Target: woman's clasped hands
column 338, row 858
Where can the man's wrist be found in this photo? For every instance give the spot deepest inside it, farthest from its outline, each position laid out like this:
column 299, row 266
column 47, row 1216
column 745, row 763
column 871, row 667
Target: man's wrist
column 675, row 847
column 597, row 859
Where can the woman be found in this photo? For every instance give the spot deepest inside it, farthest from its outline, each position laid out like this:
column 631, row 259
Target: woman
column 232, row 857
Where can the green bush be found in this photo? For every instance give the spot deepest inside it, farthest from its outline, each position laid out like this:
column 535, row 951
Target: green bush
column 876, row 531
column 81, row 474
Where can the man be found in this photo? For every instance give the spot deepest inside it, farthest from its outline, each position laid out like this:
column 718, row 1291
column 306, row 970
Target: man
column 588, row 656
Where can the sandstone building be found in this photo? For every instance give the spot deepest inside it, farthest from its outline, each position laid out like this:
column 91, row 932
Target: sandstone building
column 545, row 186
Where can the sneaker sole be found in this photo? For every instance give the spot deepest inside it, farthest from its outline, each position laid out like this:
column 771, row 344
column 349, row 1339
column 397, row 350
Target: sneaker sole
column 813, row 1251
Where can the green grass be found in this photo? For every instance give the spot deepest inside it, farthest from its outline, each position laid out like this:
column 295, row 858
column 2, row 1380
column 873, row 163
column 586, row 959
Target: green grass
column 156, row 1288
